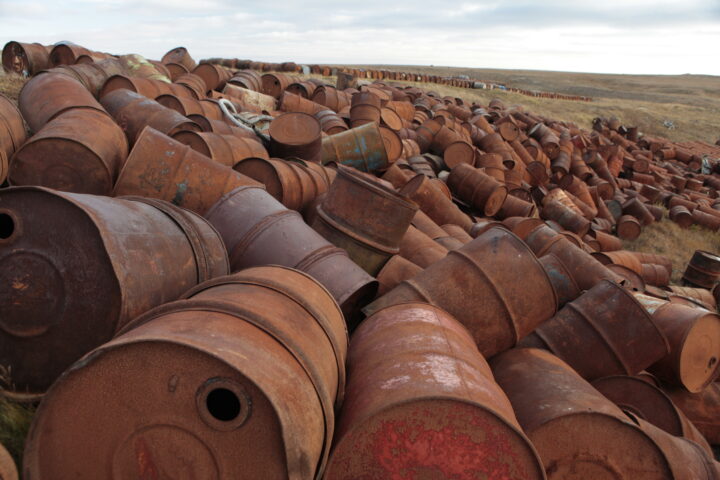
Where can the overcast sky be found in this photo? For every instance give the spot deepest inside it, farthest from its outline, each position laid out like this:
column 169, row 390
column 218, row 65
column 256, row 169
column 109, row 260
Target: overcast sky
column 611, row 36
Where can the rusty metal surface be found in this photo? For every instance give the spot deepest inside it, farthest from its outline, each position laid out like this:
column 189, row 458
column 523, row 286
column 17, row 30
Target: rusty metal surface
column 364, row 217
column 228, row 150
column 296, row 135
column 68, row 156
column 481, row 277
column 66, row 53
column 12, row 133
column 605, row 331
column 563, row 283
column 419, row 248
column 131, row 255
column 362, row 147
column 25, row 59
column 214, row 76
column 255, row 228
column 163, row 168
column 648, row 402
column 133, row 112
column 703, row 409
column 179, row 55
column 395, row 271
column 435, row 203
column 242, row 378
column 694, row 337
column 477, row 189
column 416, row 379
column 578, row 433
column 8, row 471
column 703, row 270
column 47, row 95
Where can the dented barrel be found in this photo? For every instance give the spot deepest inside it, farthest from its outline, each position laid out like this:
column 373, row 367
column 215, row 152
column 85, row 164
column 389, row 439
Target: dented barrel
column 252, row 363
column 83, row 267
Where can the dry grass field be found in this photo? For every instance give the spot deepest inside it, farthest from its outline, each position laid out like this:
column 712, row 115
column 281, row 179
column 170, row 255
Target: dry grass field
column 692, row 102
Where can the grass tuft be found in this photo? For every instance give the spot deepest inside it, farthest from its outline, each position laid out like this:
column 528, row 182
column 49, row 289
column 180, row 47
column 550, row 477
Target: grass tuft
column 10, row 86
column 15, row 422
column 668, row 238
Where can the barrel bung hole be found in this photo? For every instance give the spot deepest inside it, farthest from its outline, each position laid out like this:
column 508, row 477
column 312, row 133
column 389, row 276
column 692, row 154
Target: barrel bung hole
column 7, row 226
column 712, row 362
column 223, row 404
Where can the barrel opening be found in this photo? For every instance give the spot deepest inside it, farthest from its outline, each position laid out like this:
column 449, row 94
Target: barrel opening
column 7, row 226
column 223, row 404
column 712, row 362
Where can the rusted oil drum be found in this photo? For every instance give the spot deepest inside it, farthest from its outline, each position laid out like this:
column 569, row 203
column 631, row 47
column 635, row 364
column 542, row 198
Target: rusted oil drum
column 682, row 216
column 93, row 76
column 646, row 401
column 193, row 84
column 364, row 108
column 703, row 270
column 251, row 362
column 685, row 458
column 694, row 337
column 8, row 471
column 247, row 79
column 419, row 248
column 258, row 230
column 395, row 270
column 290, row 102
column 12, row 133
column 578, row 433
column 628, row 227
column 25, row 59
column 435, row 203
column 250, row 99
column 146, row 87
column 292, row 184
column 47, row 95
column 175, row 70
column 586, row 270
column 477, row 189
column 214, row 76
column 274, row 84
column 67, row 155
column 621, row 257
column 564, row 284
column 133, row 112
column 228, row 150
column 362, row 147
column 605, row 331
column 362, row 216
column 655, row 275
column 330, row 122
column 421, row 402
column 119, row 258
column 296, row 135
column 702, row 296
column 483, row 276
column 180, row 56
column 566, row 217
column 703, row 409
column 332, row 98
column 160, row 167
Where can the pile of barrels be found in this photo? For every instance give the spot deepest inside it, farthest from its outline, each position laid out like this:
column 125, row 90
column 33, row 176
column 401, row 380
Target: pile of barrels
column 213, row 273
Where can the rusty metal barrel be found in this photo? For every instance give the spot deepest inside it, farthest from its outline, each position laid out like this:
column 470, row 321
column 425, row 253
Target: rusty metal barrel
column 252, row 362
column 228, row 150
column 361, row 147
column 364, row 108
column 47, row 95
column 564, row 284
column 694, row 338
column 416, row 380
column 133, row 112
column 703, row 409
column 66, row 53
column 25, row 59
column 435, row 203
column 628, row 227
column 605, row 331
column 67, row 155
column 274, row 84
column 180, row 56
column 293, row 184
column 117, row 258
column 214, row 76
column 646, row 401
column 247, row 79
column 703, row 270
column 12, row 133
column 484, row 276
column 477, row 189
column 258, row 230
column 296, row 135
column 362, row 216
column 160, row 167
column 578, row 433
column 8, row 471
column 682, row 216
column 395, row 270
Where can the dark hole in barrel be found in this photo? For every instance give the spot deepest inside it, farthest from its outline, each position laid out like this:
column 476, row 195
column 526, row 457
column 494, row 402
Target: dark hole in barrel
column 223, row 404
column 712, row 362
column 7, row 226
